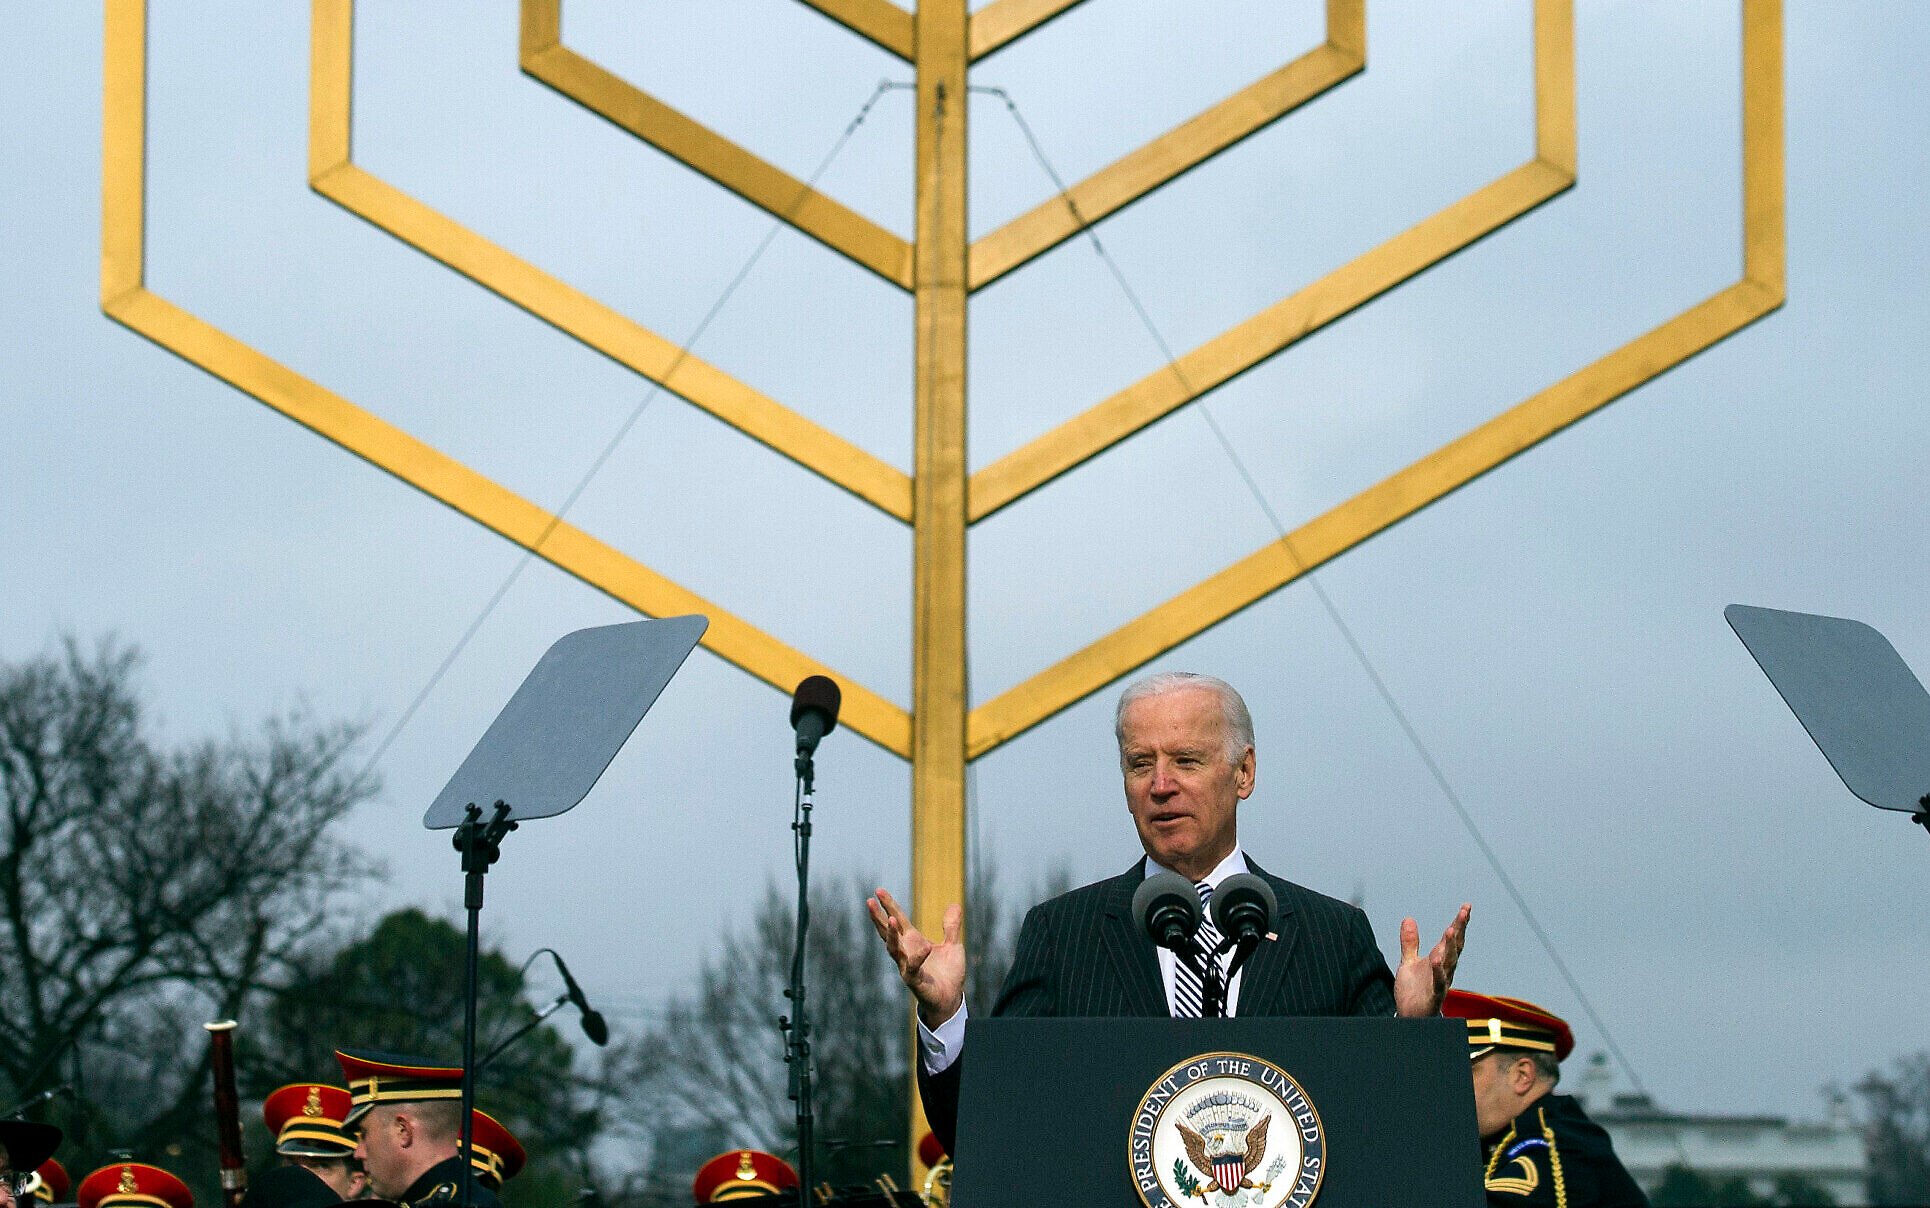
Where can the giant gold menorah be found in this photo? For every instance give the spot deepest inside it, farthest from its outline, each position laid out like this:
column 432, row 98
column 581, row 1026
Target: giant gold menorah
column 941, row 267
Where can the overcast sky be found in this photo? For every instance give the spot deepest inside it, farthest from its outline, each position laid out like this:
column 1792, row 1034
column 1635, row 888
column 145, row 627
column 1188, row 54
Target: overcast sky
column 1746, row 929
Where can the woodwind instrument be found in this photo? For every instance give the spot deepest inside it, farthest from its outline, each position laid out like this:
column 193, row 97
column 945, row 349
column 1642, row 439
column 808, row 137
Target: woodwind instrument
column 938, row 1184
column 227, row 1112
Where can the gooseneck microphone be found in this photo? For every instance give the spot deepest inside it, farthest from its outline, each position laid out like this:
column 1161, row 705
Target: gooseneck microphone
column 1244, row 908
column 814, row 711
column 593, row 1024
column 1168, row 909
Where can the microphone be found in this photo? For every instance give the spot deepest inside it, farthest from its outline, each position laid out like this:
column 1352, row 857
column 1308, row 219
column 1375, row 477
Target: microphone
column 814, row 711
column 593, row 1025
column 1244, row 908
column 1168, row 909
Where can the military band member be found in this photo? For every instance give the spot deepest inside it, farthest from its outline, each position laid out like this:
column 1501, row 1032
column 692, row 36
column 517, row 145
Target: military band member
column 744, row 1175
column 24, row 1146
column 317, row 1150
column 1538, row 1147
column 133, row 1185
column 407, row 1116
column 495, row 1153
column 50, row 1184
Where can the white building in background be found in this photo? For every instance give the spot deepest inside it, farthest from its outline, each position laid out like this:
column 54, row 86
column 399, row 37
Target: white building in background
column 1649, row 1139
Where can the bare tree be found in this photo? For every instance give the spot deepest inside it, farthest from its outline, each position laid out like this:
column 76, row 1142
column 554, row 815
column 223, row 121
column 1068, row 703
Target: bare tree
column 1896, row 1130
column 143, row 889
column 710, row 1074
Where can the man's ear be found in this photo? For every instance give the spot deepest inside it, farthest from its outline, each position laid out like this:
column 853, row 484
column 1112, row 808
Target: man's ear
column 1522, row 1075
column 405, row 1129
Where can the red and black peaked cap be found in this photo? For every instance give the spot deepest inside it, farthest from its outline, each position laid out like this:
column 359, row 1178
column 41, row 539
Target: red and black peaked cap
column 377, row 1078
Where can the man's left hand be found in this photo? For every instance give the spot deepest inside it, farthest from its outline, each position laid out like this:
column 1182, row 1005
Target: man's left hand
column 1421, row 983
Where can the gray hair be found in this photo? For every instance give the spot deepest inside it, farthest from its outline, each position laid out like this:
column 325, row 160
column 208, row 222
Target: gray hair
column 1236, row 722
column 1547, row 1065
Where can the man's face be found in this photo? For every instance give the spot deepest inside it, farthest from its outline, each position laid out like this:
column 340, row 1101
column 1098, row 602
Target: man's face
column 7, row 1176
column 1183, row 792
column 344, row 1178
column 383, row 1152
column 1500, row 1079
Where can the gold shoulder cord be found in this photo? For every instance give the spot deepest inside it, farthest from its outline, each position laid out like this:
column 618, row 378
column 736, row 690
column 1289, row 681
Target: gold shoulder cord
column 1554, row 1159
column 1523, row 1184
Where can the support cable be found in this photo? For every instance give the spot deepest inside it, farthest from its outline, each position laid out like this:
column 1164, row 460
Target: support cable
column 778, row 223
column 1340, row 624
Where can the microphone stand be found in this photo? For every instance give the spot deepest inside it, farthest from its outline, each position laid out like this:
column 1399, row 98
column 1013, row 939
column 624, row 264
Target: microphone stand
column 521, row 1032
column 796, row 1027
column 19, row 1110
column 1213, row 984
column 479, row 841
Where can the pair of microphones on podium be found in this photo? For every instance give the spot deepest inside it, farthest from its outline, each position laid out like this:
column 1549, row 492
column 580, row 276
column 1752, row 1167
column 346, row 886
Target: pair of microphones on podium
column 1167, row 907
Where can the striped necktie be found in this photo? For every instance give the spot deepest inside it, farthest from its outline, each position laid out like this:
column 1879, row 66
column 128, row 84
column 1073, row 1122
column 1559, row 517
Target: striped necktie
column 1189, row 996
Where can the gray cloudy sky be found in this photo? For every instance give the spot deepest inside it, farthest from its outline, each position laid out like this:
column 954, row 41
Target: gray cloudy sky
column 1746, row 929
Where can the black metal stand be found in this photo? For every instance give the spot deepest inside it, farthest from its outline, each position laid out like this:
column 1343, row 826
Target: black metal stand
column 1215, row 982
column 796, row 1027
column 479, row 842
column 521, row 1032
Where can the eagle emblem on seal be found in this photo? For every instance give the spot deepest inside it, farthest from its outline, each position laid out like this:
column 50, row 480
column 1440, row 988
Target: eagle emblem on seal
column 1225, row 1154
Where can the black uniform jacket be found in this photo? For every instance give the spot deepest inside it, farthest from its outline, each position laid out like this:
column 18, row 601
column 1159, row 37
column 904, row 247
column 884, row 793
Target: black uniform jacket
column 290, row 1187
column 441, row 1184
column 1552, row 1153
column 1083, row 954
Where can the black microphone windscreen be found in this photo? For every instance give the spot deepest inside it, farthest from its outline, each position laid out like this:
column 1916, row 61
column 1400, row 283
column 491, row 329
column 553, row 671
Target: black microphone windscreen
column 817, row 694
column 1244, row 903
column 594, row 1027
column 1166, row 904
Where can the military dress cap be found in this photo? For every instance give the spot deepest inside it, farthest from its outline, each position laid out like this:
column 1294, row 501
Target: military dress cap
column 1496, row 1022
column 28, row 1143
column 50, row 1183
column 133, row 1185
column 497, row 1154
column 309, row 1120
column 742, row 1173
column 931, row 1151
column 375, row 1078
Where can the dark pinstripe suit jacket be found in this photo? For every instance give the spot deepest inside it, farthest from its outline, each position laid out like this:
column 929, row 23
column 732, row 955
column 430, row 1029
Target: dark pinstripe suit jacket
column 1083, row 954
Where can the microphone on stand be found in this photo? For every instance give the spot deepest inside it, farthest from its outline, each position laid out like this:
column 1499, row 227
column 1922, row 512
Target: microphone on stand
column 1244, row 908
column 1168, row 909
column 1246, row 912
column 593, row 1024
column 814, row 711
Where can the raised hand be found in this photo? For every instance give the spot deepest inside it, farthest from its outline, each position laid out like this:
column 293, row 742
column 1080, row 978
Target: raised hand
column 1421, row 983
column 935, row 972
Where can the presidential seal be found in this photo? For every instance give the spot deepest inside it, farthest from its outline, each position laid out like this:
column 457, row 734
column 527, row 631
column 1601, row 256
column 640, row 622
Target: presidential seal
column 1226, row 1130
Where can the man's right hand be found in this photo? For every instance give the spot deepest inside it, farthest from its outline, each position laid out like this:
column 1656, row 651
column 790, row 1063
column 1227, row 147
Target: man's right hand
column 935, row 972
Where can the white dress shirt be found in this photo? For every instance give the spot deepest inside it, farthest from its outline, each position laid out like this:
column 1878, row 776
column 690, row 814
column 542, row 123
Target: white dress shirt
column 939, row 1047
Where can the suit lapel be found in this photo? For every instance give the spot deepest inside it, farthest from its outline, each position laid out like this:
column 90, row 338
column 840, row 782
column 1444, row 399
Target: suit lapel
column 1133, row 960
column 1260, row 979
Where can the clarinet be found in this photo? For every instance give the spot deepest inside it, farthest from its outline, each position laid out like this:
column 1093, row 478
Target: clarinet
column 227, row 1112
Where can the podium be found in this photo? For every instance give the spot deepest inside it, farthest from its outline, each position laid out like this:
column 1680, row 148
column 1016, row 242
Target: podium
column 1217, row 1113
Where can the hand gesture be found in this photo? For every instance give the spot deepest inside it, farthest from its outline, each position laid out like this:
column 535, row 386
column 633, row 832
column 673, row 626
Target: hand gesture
column 935, row 972
column 1421, row 983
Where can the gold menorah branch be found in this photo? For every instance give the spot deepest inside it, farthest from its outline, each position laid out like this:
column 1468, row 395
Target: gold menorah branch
column 941, row 267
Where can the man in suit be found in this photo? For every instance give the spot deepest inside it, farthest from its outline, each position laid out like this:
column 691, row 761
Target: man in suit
column 1186, row 755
